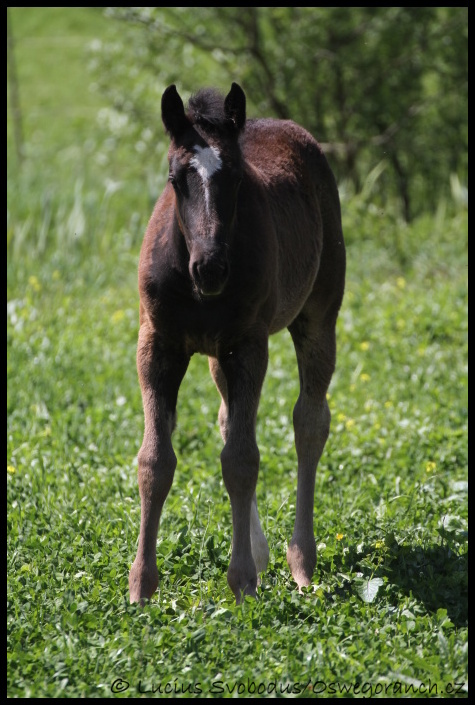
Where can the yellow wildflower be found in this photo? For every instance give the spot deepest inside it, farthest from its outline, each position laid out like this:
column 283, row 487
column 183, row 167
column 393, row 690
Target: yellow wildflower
column 34, row 283
column 117, row 316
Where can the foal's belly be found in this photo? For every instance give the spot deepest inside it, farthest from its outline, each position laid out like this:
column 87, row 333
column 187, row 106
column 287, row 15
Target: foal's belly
column 299, row 260
column 290, row 304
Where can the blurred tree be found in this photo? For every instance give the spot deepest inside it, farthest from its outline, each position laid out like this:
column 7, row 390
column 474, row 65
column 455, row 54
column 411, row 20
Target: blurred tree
column 376, row 86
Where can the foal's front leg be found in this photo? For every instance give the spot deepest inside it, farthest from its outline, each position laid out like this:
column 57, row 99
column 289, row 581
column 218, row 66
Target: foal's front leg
column 259, row 545
column 160, row 372
column 244, row 369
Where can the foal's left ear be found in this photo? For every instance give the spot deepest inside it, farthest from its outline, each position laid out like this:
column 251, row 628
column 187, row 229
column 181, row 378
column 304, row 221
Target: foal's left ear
column 235, row 106
column 173, row 112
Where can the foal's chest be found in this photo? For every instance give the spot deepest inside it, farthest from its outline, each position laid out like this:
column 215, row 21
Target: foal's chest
column 202, row 327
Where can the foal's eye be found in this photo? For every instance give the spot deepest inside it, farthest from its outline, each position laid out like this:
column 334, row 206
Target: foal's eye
column 178, row 181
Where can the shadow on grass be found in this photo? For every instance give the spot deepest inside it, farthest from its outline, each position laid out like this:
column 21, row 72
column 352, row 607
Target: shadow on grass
column 435, row 576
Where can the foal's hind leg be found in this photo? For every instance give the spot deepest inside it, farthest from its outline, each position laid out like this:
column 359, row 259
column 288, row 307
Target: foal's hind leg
column 315, row 347
column 259, row 546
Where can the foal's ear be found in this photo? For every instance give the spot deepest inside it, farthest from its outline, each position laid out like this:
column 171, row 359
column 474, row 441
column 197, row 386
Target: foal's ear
column 235, row 106
column 173, row 112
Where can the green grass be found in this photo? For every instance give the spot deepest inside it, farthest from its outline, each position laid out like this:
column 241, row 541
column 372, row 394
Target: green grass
column 387, row 612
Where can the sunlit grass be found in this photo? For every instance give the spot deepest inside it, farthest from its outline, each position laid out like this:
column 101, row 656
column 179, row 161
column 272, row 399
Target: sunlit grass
column 390, row 516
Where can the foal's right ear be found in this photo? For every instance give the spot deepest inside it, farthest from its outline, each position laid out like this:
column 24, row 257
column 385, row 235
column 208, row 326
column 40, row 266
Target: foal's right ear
column 235, row 106
column 173, row 112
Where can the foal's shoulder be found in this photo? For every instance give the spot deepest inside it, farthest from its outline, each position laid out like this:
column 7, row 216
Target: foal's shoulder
column 267, row 140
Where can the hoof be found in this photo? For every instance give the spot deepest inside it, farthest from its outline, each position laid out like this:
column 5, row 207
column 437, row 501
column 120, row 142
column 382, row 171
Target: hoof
column 247, row 592
column 242, row 585
column 302, row 562
column 260, row 553
column 142, row 582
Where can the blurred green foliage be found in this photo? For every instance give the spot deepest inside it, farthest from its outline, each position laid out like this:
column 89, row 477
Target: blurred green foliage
column 375, row 85
column 383, row 89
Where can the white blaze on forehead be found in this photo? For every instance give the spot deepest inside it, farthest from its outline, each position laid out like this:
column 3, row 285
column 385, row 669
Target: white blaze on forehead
column 206, row 162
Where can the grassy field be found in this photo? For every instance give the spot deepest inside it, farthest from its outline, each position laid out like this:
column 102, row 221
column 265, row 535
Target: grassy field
column 387, row 613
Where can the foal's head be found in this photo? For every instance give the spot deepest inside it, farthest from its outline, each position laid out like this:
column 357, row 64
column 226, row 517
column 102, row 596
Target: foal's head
column 205, row 172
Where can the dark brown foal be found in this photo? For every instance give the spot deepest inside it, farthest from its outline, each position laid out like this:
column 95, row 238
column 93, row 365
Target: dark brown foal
column 245, row 240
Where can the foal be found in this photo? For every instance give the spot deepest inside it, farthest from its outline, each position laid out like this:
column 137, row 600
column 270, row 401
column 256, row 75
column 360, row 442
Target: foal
column 245, row 240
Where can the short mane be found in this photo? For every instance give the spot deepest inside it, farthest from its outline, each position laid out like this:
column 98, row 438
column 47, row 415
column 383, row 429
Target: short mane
column 206, row 110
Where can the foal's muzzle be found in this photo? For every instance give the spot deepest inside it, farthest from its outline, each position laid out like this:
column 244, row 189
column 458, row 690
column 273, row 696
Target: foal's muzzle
column 209, row 272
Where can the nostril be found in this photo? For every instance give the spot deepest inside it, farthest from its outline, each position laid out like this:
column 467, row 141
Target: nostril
column 220, row 270
column 195, row 271
column 199, row 270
